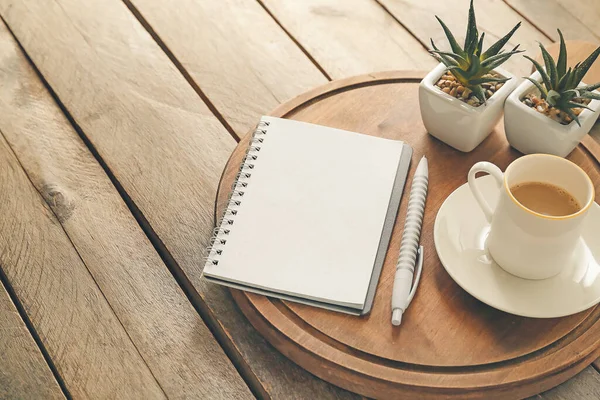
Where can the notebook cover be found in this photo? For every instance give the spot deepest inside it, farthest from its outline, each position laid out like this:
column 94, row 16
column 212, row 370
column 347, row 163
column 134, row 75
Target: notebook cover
column 388, row 226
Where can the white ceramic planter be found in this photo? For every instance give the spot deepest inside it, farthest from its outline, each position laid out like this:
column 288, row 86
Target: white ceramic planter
column 453, row 121
column 532, row 132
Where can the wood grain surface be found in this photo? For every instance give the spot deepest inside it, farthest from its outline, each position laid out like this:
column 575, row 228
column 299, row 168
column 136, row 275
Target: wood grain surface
column 168, row 333
column 494, row 17
column 23, row 371
column 450, row 343
column 577, row 19
column 243, row 66
column 586, row 12
column 165, row 149
column 139, row 114
column 553, row 14
column 88, row 345
column 350, row 37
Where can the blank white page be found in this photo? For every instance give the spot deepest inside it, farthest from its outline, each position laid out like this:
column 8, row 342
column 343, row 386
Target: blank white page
column 311, row 218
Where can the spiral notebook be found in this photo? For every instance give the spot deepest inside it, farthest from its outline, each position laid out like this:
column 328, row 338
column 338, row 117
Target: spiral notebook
column 310, row 215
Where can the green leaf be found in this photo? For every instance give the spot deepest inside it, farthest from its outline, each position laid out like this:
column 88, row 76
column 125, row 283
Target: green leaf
column 471, row 28
column 453, row 43
column 458, row 74
column 570, row 94
column 552, row 97
column 479, row 81
column 461, row 61
column 472, row 48
column 562, row 83
column 591, row 95
column 478, row 92
column 585, row 66
column 439, row 59
column 480, row 45
column 573, row 104
column 542, row 72
column 447, row 61
column 590, row 87
column 572, row 115
column 538, row 86
column 492, row 66
column 502, row 57
column 496, row 47
column 571, row 82
column 474, row 68
column 550, row 66
column 561, row 64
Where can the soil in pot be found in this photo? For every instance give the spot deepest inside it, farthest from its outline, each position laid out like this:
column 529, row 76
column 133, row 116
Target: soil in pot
column 533, row 100
column 450, row 85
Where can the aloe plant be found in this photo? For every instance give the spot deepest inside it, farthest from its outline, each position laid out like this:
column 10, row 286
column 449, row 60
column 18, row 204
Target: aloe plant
column 469, row 64
column 560, row 86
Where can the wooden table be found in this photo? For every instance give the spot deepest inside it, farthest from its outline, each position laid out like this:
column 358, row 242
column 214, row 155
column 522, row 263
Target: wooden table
column 116, row 120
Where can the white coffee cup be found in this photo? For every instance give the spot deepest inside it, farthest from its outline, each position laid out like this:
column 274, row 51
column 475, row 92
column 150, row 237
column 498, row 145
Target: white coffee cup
column 521, row 241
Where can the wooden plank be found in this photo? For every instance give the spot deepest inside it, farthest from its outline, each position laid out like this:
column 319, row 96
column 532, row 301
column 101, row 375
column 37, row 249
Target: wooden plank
column 549, row 15
column 246, row 67
column 587, row 13
column 163, row 146
column 171, row 337
column 350, row 37
column 89, row 347
column 494, row 17
column 23, row 371
column 583, row 386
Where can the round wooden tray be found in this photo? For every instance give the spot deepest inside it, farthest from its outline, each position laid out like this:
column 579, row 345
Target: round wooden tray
column 449, row 344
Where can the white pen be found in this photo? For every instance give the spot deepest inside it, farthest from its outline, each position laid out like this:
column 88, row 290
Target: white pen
column 411, row 254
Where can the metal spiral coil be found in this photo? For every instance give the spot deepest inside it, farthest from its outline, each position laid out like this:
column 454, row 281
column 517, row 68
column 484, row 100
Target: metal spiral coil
column 222, row 230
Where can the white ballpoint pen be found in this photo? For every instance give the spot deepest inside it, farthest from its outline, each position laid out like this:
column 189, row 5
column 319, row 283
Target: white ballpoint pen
column 411, row 254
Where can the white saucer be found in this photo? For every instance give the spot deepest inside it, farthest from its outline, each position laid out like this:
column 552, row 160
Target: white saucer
column 460, row 233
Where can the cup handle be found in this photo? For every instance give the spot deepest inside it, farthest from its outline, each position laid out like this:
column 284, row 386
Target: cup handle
column 491, row 169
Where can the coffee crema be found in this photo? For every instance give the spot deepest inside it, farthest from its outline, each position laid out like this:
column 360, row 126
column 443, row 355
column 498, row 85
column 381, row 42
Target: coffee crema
column 545, row 198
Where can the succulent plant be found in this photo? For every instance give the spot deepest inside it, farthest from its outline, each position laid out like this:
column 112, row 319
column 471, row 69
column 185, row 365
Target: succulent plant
column 560, row 87
column 469, row 64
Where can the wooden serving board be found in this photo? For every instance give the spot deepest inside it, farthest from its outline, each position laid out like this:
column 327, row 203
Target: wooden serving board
column 449, row 344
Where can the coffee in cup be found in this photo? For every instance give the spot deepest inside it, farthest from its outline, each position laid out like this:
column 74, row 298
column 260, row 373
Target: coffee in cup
column 545, row 198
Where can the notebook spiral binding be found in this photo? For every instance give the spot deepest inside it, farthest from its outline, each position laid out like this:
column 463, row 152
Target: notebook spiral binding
column 242, row 181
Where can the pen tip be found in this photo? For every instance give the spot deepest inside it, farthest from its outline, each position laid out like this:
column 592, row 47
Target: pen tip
column 422, row 167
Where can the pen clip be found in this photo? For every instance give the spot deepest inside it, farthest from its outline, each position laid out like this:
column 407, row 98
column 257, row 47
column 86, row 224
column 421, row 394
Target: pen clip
column 419, row 268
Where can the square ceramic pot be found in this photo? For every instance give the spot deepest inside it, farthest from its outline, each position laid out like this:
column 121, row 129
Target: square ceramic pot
column 530, row 131
column 455, row 122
